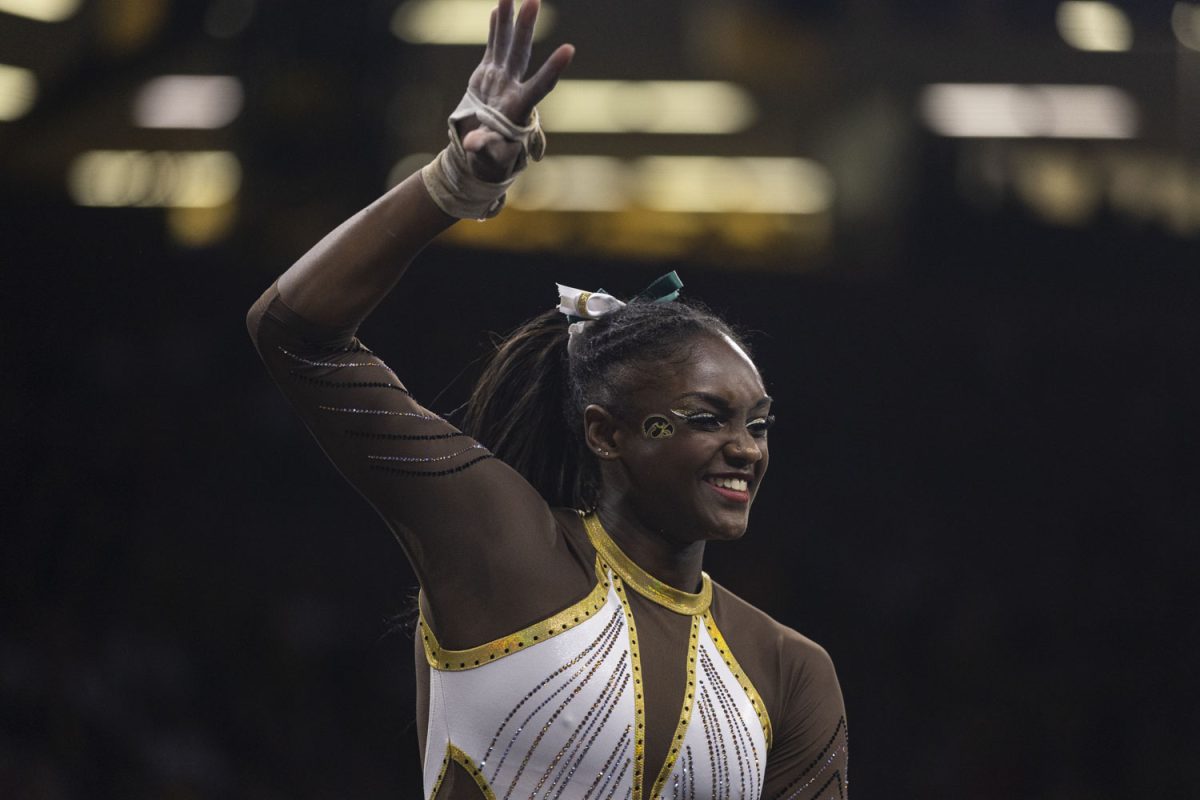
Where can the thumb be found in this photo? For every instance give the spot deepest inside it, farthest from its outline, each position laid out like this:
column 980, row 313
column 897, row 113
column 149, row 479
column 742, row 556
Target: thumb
column 490, row 156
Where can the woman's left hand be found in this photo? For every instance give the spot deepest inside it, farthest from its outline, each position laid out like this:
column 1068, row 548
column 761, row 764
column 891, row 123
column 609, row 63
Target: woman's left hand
column 497, row 81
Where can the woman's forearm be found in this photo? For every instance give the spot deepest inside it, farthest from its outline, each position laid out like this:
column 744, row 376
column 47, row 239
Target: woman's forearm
column 340, row 280
column 345, row 275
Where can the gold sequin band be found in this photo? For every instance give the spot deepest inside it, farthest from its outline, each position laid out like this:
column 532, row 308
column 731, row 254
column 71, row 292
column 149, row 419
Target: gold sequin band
column 643, row 582
column 739, row 675
column 453, row 660
column 639, row 690
column 685, row 715
column 581, row 304
column 453, row 753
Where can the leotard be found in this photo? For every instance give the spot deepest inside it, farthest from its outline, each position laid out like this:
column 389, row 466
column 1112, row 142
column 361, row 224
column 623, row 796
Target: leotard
column 549, row 664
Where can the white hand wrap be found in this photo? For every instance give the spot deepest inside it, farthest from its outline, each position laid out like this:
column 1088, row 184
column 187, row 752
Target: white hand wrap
column 448, row 178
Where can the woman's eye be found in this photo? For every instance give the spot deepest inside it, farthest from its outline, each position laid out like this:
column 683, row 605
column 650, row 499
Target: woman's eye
column 759, row 427
column 703, row 421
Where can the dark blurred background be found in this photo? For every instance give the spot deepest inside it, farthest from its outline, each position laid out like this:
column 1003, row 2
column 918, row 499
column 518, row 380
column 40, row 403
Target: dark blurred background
column 965, row 232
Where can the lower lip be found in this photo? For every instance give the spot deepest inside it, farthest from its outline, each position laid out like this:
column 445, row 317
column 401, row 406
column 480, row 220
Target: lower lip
column 730, row 494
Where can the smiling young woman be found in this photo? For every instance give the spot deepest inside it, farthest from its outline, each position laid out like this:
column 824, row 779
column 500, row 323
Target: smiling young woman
column 570, row 645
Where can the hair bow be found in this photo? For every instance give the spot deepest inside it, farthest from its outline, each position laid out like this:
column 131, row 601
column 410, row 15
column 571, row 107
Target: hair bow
column 581, row 307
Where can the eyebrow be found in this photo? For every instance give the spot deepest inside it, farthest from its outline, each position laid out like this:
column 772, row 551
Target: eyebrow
column 722, row 403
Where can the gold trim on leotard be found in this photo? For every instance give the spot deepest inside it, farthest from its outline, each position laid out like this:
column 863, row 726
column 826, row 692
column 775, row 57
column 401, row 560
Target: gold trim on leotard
column 685, row 715
column 455, row 754
column 453, row 660
column 643, row 582
column 739, row 675
column 639, row 703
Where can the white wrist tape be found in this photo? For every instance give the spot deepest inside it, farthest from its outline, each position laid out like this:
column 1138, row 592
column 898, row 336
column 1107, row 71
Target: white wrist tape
column 448, row 178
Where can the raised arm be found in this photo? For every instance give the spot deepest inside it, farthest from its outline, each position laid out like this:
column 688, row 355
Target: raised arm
column 440, row 492
column 340, row 280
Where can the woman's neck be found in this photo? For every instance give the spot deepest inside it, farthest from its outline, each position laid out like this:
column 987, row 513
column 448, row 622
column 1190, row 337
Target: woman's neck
column 675, row 563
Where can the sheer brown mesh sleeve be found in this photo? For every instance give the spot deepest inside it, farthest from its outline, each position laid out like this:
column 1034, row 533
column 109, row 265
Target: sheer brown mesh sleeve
column 809, row 757
column 462, row 516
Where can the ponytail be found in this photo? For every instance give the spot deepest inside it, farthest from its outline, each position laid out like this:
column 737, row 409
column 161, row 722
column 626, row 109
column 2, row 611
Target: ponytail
column 519, row 410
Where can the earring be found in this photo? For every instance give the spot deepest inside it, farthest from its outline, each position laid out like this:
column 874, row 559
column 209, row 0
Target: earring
column 656, row 426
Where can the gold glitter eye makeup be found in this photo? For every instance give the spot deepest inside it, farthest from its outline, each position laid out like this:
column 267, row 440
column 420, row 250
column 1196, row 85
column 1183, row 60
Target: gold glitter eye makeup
column 700, row 420
column 758, row 427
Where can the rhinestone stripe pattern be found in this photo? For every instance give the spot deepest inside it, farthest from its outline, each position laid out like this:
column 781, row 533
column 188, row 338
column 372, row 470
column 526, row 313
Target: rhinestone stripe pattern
column 837, row 748
column 328, row 384
column 726, row 655
column 562, row 712
column 557, row 712
column 685, row 715
column 321, row 371
column 639, row 701
column 379, row 412
column 575, row 682
column 426, row 459
column 308, row 362
column 723, row 752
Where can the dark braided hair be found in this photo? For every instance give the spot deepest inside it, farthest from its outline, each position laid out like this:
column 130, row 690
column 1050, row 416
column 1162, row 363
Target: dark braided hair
column 527, row 406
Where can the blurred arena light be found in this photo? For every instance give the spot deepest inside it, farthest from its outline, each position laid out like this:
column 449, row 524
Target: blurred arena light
column 1185, row 22
column 744, row 185
column 999, row 110
column 454, row 21
column 676, row 184
column 188, row 101
column 574, row 183
column 179, row 179
column 712, row 107
column 1094, row 25
column 41, row 10
column 18, row 91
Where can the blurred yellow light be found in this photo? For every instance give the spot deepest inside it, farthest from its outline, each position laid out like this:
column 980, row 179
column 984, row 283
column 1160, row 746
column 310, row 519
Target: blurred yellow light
column 41, row 10
column 1094, row 25
column 18, row 90
column 1185, row 21
column 454, row 21
column 201, row 227
column 1058, row 187
column 188, row 101
column 713, row 107
column 197, row 179
column 998, row 110
column 573, row 183
column 675, row 184
column 742, row 185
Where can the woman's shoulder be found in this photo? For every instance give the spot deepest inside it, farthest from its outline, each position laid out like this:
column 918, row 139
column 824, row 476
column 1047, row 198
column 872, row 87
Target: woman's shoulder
column 775, row 645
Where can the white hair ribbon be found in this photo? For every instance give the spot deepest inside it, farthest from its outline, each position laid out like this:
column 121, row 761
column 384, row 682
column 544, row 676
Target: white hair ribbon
column 586, row 305
column 581, row 307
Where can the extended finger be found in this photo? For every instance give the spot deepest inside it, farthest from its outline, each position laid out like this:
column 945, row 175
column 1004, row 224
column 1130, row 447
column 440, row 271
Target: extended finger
column 522, row 41
column 547, row 75
column 491, row 42
column 504, row 25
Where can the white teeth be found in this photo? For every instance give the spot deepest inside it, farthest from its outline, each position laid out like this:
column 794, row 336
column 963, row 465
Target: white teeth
column 736, row 484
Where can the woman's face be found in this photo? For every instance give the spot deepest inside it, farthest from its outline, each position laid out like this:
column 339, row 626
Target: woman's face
column 700, row 481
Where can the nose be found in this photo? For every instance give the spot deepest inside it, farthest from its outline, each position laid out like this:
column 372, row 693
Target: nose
column 743, row 449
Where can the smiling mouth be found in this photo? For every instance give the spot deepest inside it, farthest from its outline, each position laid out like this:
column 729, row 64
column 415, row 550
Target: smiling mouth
column 736, row 489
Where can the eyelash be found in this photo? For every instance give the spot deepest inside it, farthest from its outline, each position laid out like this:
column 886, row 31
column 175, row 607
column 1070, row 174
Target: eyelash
column 705, row 421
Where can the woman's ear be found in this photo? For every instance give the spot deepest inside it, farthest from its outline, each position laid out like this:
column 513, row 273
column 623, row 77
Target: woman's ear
column 600, row 431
